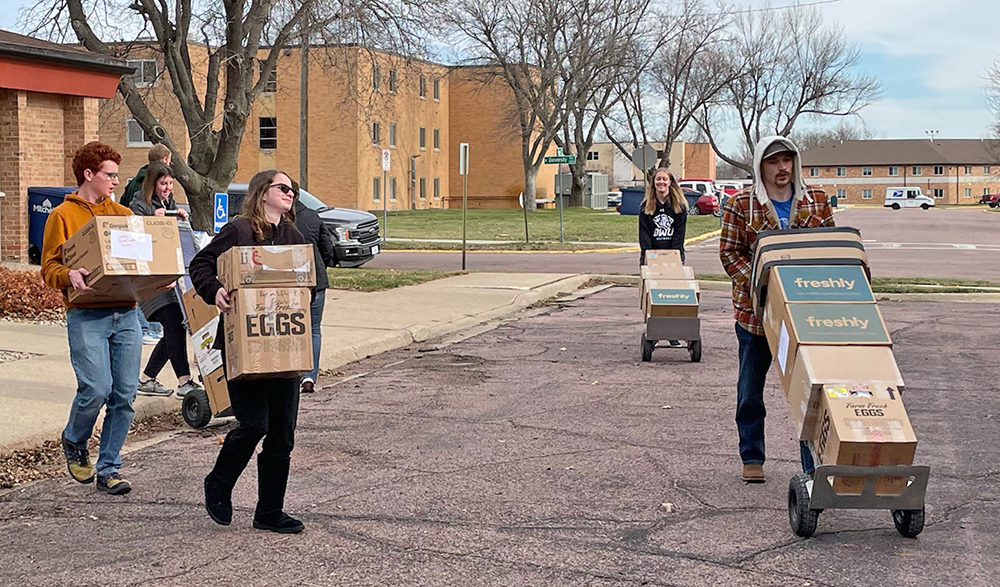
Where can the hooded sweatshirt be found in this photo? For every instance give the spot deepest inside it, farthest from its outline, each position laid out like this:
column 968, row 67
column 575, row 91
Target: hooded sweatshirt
column 751, row 212
column 63, row 222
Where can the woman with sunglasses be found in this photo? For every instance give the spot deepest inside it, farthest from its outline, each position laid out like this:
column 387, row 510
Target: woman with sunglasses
column 265, row 408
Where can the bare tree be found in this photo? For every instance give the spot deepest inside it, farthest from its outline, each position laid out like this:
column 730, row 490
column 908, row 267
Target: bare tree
column 679, row 70
column 813, row 137
column 791, row 66
column 242, row 40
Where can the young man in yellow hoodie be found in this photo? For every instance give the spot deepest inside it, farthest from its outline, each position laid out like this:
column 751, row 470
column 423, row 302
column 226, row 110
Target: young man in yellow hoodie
column 105, row 341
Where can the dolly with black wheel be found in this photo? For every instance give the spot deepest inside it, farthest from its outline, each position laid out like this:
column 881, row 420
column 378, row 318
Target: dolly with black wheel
column 809, row 495
column 660, row 328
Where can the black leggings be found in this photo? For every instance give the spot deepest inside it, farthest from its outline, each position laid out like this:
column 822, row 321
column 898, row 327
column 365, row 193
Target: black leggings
column 172, row 346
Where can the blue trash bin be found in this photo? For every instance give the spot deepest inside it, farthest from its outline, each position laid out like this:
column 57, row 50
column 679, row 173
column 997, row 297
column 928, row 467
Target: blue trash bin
column 41, row 201
column 631, row 201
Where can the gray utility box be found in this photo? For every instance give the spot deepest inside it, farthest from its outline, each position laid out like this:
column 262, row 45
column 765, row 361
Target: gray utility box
column 595, row 189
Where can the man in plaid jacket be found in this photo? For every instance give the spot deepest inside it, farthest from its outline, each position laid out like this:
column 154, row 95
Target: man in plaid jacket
column 778, row 200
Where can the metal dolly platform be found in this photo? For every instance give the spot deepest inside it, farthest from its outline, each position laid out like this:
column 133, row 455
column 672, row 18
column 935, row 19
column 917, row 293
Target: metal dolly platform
column 669, row 328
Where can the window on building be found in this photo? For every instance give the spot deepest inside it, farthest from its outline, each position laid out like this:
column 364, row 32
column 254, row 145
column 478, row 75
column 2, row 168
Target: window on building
column 938, row 192
column 376, row 78
column 423, row 138
column 271, row 78
column 917, row 170
column 392, row 81
column 986, row 169
column 986, row 191
column 893, row 170
column 939, row 170
column 267, row 132
column 968, row 192
column 814, row 172
column 392, row 188
column 841, row 171
column 145, row 73
column 422, row 86
column 593, row 155
column 437, row 89
column 437, row 139
column 866, row 171
column 866, row 194
column 376, row 133
column 423, row 188
column 437, row 188
column 377, row 188
column 968, row 170
column 841, row 194
column 392, row 134
column 136, row 136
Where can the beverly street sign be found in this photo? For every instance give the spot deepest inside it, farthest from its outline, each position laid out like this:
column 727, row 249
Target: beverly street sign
column 560, row 159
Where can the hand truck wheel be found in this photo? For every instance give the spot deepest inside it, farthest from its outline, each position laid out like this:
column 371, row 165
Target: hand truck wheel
column 647, row 349
column 909, row 523
column 802, row 519
column 196, row 409
column 694, row 347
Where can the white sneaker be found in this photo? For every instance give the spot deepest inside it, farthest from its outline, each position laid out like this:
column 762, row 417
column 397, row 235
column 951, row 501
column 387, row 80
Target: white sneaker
column 187, row 387
column 149, row 339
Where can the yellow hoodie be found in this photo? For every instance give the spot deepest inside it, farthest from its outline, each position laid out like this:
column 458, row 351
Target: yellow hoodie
column 63, row 222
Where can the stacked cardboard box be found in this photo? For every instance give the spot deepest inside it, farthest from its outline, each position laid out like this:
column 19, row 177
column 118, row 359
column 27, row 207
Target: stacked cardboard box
column 668, row 288
column 833, row 352
column 130, row 258
column 267, row 326
column 203, row 320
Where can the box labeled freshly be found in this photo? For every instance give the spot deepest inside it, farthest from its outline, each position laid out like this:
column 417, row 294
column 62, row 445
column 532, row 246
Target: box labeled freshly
column 822, row 283
column 268, row 333
column 267, row 266
column 817, row 365
column 663, row 257
column 865, row 431
column 672, row 302
column 129, row 258
column 651, row 284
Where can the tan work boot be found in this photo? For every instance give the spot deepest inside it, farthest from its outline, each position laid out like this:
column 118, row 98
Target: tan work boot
column 753, row 473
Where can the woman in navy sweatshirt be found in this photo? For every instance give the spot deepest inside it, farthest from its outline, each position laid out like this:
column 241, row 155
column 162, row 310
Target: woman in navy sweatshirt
column 662, row 215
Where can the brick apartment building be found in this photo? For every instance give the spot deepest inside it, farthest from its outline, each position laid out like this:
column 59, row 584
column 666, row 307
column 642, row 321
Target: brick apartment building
column 359, row 103
column 953, row 171
column 49, row 96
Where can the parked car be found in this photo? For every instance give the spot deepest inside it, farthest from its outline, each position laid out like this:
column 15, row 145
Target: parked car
column 355, row 232
column 705, row 186
column 699, row 203
column 730, row 188
column 906, row 197
column 991, row 200
column 614, row 199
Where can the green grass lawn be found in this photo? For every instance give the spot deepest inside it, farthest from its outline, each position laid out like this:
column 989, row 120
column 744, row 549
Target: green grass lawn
column 579, row 225
column 381, row 279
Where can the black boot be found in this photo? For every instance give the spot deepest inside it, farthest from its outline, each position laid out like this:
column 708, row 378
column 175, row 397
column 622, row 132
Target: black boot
column 219, row 483
column 218, row 501
column 272, row 478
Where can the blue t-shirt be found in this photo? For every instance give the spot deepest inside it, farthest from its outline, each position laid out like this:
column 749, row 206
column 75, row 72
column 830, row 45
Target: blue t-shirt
column 784, row 210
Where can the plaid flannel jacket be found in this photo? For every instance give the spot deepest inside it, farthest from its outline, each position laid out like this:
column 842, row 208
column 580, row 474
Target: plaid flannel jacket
column 739, row 238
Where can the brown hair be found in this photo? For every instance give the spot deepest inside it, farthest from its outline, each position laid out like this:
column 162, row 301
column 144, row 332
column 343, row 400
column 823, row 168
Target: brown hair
column 253, row 204
column 157, row 152
column 153, row 174
column 675, row 197
column 91, row 156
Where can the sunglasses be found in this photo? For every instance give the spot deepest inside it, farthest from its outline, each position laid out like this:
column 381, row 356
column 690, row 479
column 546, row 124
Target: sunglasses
column 285, row 188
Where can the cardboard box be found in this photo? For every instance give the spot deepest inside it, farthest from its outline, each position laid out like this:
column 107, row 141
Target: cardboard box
column 666, row 272
column 822, row 283
column 217, row 390
column 268, row 333
column 829, row 256
column 651, row 284
column 672, row 303
column 817, row 366
column 129, row 257
column 267, row 266
column 203, row 320
column 864, row 431
column 663, row 257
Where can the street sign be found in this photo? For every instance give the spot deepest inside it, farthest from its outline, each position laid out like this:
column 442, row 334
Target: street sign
column 561, row 159
column 644, row 157
column 463, row 158
column 221, row 210
column 386, row 155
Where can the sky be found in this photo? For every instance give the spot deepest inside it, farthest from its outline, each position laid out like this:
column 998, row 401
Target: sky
column 930, row 55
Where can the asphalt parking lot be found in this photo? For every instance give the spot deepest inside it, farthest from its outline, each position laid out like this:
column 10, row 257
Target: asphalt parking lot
column 543, row 452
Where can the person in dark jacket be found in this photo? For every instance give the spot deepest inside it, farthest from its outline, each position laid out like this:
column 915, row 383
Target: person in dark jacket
column 158, row 153
column 315, row 231
column 157, row 199
column 264, row 408
column 662, row 215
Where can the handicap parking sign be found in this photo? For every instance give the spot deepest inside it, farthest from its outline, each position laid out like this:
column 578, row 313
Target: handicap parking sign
column 221, row 210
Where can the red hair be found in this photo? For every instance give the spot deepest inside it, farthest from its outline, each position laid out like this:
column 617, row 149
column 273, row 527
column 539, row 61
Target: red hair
column 91, row 156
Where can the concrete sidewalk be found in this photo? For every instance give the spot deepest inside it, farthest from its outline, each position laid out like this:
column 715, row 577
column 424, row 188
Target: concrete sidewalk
column 35, row 392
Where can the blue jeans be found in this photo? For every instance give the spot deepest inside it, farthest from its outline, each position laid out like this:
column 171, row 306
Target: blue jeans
column 755, row 360
column 316, row 309
column 146, row 325
column 105, row 348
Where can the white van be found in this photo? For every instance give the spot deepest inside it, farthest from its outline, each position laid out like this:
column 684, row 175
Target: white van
column 907, row 197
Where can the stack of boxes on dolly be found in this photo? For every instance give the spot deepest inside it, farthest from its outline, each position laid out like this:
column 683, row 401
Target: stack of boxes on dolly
column 669, row 298
column 267, row 327
column 811, row 291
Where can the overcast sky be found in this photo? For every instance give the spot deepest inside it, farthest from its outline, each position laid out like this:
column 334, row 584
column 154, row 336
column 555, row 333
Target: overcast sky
column 930, row 55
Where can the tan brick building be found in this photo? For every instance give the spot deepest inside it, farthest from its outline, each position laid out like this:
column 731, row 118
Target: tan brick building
column 686, row 160
column 953, row 171
column 49, row 98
